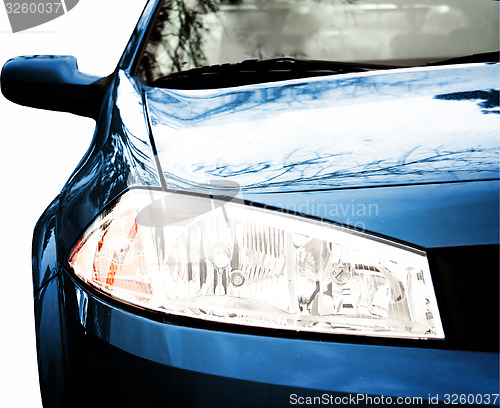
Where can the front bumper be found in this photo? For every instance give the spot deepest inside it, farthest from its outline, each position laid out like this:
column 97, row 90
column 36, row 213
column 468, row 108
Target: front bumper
column 120, row 358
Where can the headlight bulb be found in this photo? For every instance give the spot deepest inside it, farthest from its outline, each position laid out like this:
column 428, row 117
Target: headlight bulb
column 220, row 257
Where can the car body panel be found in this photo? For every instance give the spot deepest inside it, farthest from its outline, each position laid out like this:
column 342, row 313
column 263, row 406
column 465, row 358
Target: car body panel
column 406, row 213
column 124, row 139
column 434, row 186
column 74, row 323
column 379, row 128
column 327, row 366
column 121, row 157
column 392, row 157
column 50, row 318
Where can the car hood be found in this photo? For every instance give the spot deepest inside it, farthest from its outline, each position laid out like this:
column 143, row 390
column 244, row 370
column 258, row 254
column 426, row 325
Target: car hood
column 357, row 130
column 333, row 139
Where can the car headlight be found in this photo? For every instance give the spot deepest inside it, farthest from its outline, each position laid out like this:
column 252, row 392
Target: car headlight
column 227, row 262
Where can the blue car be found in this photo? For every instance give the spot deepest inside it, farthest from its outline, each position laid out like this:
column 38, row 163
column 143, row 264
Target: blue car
column 285, row 203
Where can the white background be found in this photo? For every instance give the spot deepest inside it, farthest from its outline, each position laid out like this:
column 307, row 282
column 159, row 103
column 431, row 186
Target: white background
column 39, row 150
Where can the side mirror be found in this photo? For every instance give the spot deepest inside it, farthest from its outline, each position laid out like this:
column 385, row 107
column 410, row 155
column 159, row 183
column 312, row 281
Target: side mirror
column 53, row 82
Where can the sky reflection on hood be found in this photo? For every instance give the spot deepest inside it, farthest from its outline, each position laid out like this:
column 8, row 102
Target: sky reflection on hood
column 372, row 129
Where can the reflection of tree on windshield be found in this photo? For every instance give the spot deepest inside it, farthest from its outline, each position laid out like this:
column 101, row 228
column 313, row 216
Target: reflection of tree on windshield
column 182, row 38
column 194, row 33
column 179, row 36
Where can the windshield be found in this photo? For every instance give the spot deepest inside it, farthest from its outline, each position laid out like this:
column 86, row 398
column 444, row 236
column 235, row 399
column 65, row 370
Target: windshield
column 193, row 33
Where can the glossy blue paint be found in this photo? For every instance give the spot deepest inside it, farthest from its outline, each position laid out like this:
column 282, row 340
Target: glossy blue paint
column 410, row 154
column 458, row 214
column 44, row 249
column 121, row 157
column 131, row 52
column 52, row 343
column 50, row 315
column 379, row 128
column 328, row 366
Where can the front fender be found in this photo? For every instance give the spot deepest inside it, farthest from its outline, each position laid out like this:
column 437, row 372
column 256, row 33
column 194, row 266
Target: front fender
column 49, row 311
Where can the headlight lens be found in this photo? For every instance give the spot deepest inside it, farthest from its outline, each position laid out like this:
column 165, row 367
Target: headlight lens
column 227, row 262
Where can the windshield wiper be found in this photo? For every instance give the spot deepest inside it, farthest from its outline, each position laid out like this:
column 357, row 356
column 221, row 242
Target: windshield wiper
column 282, row 68
column 258, row 71
column 469, row 59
